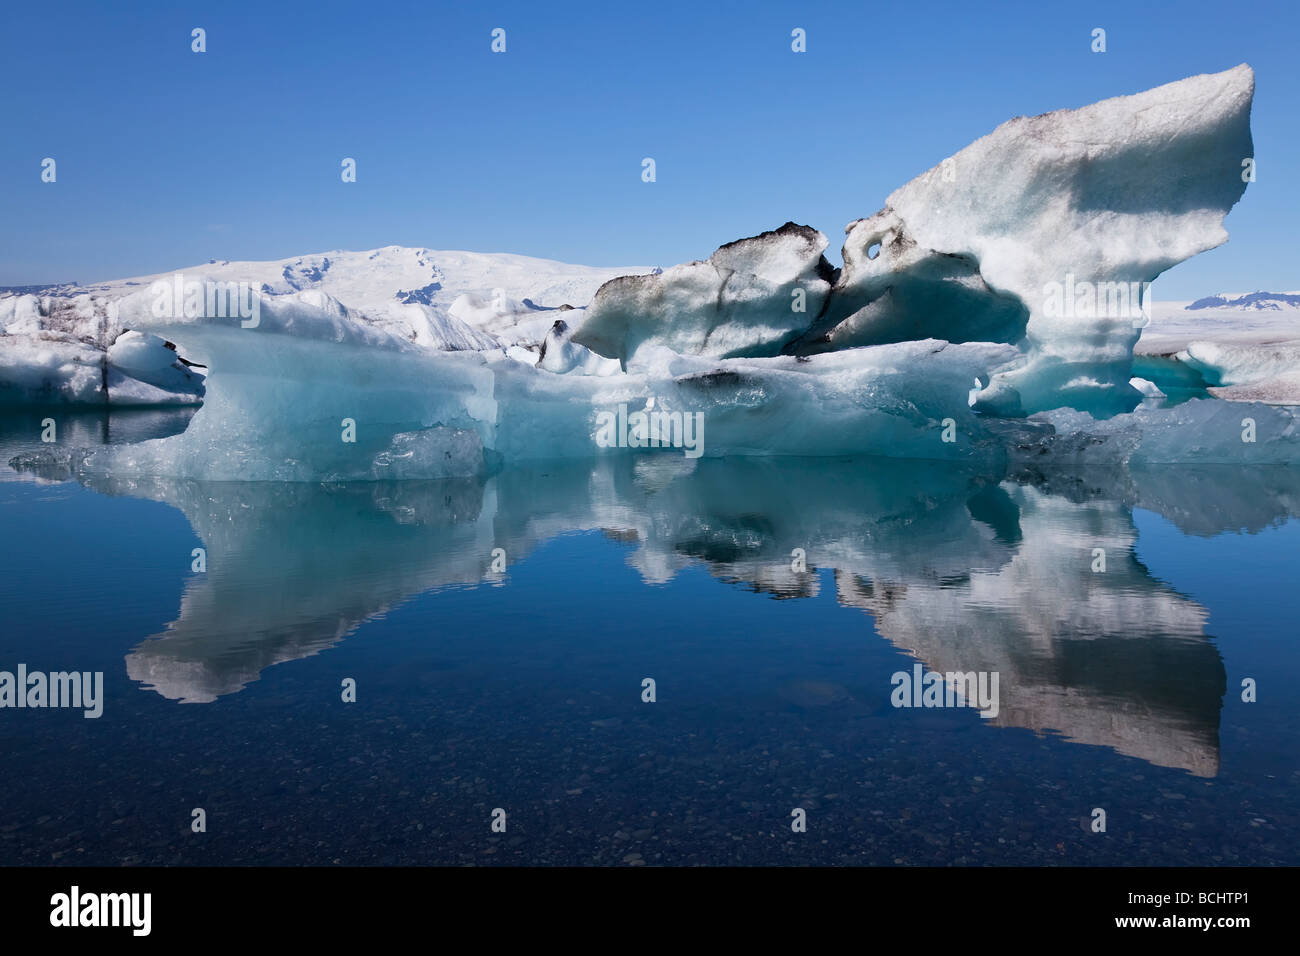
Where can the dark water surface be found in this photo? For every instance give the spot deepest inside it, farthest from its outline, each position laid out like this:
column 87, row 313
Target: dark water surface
column 522, row 690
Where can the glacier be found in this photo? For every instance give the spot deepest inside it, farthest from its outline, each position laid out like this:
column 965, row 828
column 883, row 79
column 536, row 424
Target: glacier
column 1237, row 346
column 952, row 331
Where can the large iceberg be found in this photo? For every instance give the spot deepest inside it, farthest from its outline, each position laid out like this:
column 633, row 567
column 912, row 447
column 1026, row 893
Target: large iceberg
column 989, row 311
column 311, row 393
column 1097, row 200
column 1042, row 234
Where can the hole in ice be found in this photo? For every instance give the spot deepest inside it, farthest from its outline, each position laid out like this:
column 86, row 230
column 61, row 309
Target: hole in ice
column 873, row 250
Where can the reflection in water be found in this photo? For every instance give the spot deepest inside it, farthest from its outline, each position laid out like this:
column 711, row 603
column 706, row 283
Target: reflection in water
column 291, row 569
column 963, row 571
column 1109, row 657
column 21, row 431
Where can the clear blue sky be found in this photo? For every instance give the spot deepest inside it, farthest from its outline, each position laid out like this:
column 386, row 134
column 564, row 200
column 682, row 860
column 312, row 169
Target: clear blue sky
column 167, row 158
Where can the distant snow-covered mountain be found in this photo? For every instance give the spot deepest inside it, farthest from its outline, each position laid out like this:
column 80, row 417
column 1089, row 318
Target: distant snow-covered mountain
column 379, row 281
column 1239, row 317
column 1257, row 301
column 1241, row 346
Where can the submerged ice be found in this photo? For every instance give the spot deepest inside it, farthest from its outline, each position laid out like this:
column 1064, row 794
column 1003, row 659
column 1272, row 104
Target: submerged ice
column 978, row 315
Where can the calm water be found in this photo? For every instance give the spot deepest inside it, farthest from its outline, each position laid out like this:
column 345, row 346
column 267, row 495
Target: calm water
column 522, row 689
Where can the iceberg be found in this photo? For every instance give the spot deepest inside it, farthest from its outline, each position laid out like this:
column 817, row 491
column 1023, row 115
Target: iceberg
column 309, row 394
column 49, row 370
column 43, row 368
column 1207, row 431
column 989, row 312
column 1099, row 199
column 53, row 352
column 1043, row 234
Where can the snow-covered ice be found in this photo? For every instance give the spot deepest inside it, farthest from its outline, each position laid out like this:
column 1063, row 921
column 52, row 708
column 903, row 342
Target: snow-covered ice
column 747, row 299
column 1113, row 193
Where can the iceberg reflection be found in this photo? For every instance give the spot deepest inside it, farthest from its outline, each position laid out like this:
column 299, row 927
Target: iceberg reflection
column 965, row 572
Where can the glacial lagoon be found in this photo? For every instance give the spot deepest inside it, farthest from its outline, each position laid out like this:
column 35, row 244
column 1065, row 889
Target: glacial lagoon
column 499, row 633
